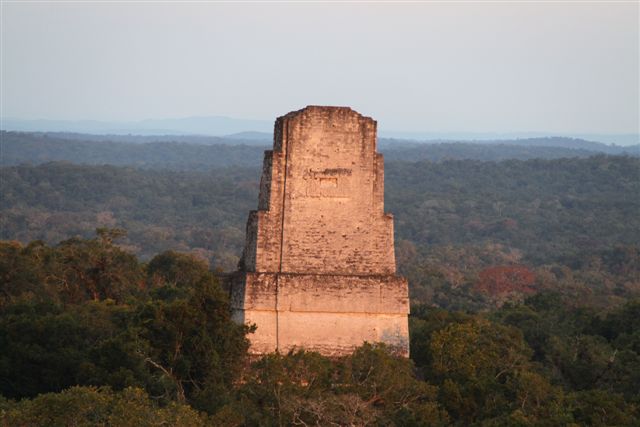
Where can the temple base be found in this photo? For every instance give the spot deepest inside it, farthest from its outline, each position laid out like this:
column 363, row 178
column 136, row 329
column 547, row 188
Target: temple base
column 330, row 314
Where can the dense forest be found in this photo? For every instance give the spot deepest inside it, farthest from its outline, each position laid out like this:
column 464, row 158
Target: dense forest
column 189, row 153
column 453, row 219
column 524, row 274
column 91, row 336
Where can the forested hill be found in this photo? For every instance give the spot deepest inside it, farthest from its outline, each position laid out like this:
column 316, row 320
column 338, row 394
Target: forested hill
column 461, row 216
column 523, row 149
column 203, row 153
column 91, row 336
column 19, row 148
column 524, row 279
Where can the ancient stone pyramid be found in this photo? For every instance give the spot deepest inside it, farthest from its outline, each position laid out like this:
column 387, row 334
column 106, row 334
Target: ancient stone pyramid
column 318, row 269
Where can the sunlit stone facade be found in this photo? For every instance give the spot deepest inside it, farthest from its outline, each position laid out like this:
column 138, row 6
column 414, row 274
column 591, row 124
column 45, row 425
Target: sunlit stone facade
column 318, row 269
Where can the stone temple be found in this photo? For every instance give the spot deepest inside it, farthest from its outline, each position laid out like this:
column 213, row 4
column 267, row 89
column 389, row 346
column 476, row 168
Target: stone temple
column 318, row 269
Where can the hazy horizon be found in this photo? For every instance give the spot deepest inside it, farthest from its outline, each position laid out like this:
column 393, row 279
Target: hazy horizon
column 222, row 126
column 568, row 68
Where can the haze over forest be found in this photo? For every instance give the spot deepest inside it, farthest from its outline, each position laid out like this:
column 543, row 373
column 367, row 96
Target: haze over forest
column 261, row 130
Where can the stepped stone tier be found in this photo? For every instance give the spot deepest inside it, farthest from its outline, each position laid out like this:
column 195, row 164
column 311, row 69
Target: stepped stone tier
column 318, row 269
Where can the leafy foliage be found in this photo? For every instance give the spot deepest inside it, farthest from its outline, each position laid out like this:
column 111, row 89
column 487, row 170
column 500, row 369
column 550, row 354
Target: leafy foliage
column 93, row 406
column 169, row 333
column 489, row 374
column 157, row 345
column 536, row 264
column 372, row 387
column 452, row 219
column 203, row 213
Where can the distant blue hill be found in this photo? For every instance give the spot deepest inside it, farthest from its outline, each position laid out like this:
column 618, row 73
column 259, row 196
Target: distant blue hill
column 262, row 130
column 251, row 136
column 213, row 125
column 551, row 141
column 492, row 137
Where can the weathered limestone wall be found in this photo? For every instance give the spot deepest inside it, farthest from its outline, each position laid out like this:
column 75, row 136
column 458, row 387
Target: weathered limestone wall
column 318, row 269
column 321, row 206
column 331, row 314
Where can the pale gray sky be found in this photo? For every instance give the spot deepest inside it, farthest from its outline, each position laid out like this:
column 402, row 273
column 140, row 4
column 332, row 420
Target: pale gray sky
column 466, row 67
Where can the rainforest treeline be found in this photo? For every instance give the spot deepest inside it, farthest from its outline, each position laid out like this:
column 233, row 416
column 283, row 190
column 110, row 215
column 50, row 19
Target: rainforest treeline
column 192, row 152
column 462, row 227
column 89, row 335
column 524, row 278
